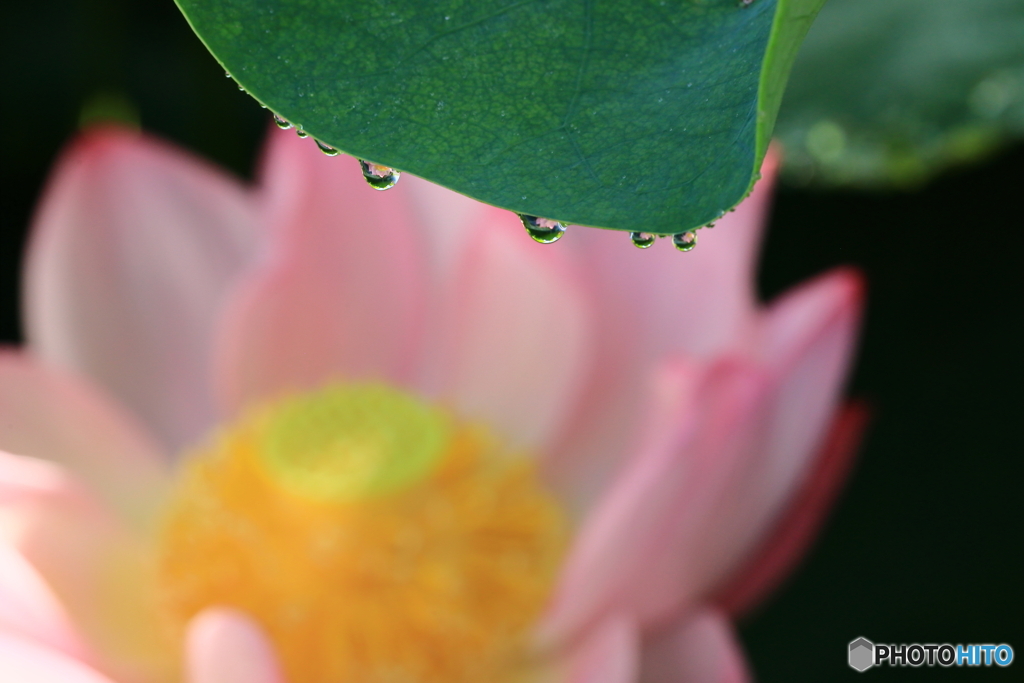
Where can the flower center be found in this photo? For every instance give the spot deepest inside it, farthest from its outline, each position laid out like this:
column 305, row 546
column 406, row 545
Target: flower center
column 372, row 536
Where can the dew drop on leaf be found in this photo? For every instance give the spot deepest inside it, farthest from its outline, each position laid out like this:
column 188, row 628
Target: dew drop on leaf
column 326, row 149
column 301, row 133
column 379, row 177
column 281, row 123
column 642, row 239
column 543, row 230
column 685, row 241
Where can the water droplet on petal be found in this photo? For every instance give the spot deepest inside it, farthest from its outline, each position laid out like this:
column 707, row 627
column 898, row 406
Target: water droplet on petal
column 281, row 123
column 301, row 133
column 642, row 239
column 326, row 149
column 543, row 230
column 379, row 177
column 685, row 241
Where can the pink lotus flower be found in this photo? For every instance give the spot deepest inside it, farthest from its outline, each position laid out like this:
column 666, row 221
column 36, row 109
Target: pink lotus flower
column 639, row 405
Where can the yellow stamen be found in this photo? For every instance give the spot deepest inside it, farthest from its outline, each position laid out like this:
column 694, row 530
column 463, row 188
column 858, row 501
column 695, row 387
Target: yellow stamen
column 372, row 536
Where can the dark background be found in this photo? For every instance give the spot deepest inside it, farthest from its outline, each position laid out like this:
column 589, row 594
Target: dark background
column 926, row 543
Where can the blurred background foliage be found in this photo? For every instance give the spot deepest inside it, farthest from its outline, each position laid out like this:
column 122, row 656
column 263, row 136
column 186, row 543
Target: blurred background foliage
column 890, row 92
column 925, row 544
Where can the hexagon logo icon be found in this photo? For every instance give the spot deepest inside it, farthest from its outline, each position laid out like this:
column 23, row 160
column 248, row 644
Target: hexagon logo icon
column 862, row 654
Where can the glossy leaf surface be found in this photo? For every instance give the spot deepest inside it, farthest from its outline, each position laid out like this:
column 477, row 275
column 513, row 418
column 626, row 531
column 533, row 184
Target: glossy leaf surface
column 635, row 115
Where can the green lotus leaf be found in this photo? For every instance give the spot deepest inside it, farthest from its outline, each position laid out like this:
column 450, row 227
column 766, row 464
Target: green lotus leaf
column 648, row 115
column 890, row 92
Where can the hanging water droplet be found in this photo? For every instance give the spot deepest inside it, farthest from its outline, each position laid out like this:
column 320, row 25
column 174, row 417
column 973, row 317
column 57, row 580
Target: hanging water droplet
column 685, row 241
column 301, row 133
column 379, row 177
column 326, row 149
column 227, row 74
column 241, row 88
column 543, row 230
column 710, row 225
column 281, row 123
column 642, row 239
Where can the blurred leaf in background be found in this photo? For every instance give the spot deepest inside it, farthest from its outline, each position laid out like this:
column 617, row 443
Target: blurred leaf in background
column 890, row 92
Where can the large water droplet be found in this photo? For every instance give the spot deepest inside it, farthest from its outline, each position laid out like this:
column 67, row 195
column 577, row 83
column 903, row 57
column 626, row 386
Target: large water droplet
column 379, row 177
column 281, row 123
column 543, row 230
column 327, row 149
column 685, row 241
column 642, row 239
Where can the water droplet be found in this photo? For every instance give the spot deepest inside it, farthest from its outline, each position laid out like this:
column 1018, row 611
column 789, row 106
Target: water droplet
column 379, row 177
column 710, row 225
column 326, row 149
column 301, row 133
column 281, row 123
column 685, row 241
column 543, row 230
column 241, row 88
column 642, row 239
column 227, row 74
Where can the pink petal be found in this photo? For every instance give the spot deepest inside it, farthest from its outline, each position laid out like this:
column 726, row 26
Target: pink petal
column 226, row 646
column 93, row 564
column 702, row 649
column 25, row 661
column 28, row 608
column 448, row 220
column 132, row 251
column 652, row 303
column 514, row 338
column 807, row 339
column 634, row 553
column 607, row 654
column 780, row 550
column 59, row 417
column 23, row 478
column 341, row 295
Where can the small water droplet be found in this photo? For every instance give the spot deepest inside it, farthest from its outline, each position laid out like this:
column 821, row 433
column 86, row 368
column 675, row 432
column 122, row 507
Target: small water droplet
column 301, row 133
column 228, row 75
column 326, row 149
column 281, row 123
column 710, row 225
column 543, row 230
column 685, row 241
column 379, row 177
column 642, row 239
column 241, row 88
